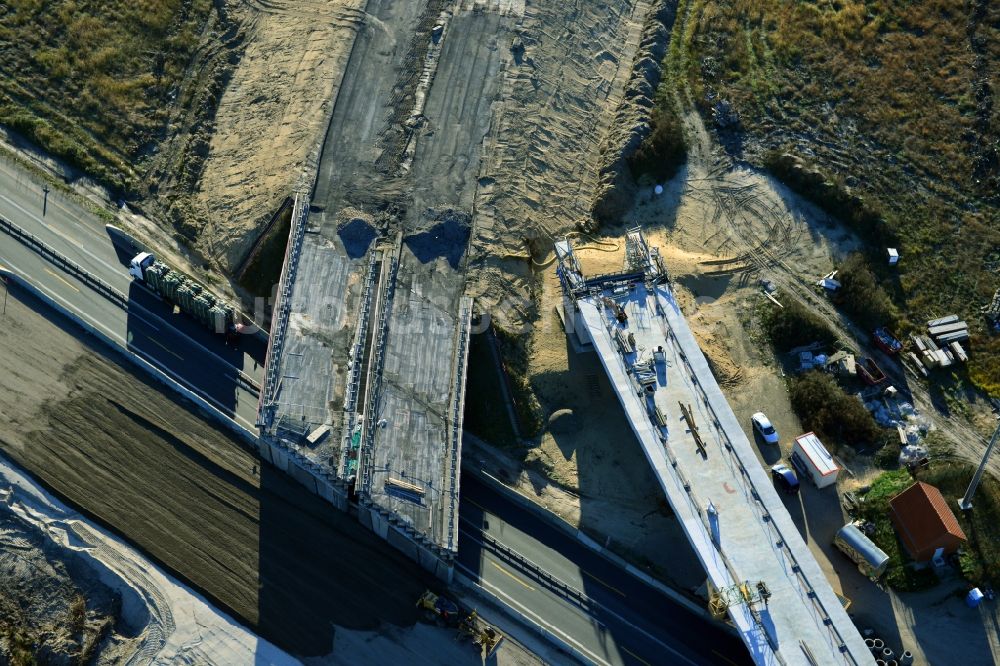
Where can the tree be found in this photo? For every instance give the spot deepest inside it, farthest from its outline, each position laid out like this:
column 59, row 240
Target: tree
column 827, row 410
column 794, row 326
column 861, row 295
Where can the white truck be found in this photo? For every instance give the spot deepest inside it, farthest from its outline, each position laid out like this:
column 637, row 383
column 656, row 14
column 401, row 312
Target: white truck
column 176, row 288
column 811, row 458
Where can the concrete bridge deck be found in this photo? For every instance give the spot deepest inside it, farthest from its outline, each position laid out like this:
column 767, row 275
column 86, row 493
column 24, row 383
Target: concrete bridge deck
column 719, row 492
column 366, row 372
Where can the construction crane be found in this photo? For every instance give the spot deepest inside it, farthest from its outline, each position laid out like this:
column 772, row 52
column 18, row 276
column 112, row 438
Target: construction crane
column 966, row 502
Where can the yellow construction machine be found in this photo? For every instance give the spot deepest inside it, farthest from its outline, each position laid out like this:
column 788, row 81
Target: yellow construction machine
column 484, row 635
column 447, row 613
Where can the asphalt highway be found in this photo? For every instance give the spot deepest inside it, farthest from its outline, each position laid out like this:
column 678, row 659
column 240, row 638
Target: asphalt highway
column 622, row 620
column 175, row 343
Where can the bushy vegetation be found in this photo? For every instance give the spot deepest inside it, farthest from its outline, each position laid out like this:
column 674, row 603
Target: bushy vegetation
column 89, row 80
column 795, row 326
column 891, row 104
column 664, row 150
column 980, row 559
column 835, row 416
column 486, row 413
column 900, row 574
column 861, row 295
column 514, row 353
column 832, row 194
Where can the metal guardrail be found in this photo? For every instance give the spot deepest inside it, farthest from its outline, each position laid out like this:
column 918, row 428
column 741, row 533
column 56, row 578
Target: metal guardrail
column 537, row 573
column 758, row 505
column 247, row 382
column 279, row 319
column 762, row 511
column 95, row 283
column 64, row 264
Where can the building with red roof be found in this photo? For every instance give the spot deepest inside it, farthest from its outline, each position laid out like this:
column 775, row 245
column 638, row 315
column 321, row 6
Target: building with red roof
column 925, row 523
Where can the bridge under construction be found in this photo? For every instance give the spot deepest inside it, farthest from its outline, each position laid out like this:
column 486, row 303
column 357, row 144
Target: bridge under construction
column 760, row 571
column 363, row 394
column 365, row 380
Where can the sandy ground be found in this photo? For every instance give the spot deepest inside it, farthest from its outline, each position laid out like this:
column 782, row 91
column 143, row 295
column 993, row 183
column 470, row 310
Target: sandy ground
column 256, row 544
column 164, row 619
column 542, row 158
column 166, row 622
column 753, row 228
column 586, row 466
column 272, row 117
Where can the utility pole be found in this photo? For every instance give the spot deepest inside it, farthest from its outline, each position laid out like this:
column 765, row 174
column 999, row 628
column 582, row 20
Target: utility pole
column 5, row 290
column 966, row 502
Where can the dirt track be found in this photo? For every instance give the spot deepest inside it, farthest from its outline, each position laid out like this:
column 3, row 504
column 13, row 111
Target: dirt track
column 760, row 230
column 271, row 117
column 542, row 159
column 260, row 546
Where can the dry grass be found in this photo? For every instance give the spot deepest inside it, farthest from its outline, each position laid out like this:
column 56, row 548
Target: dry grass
column 891, row 101
column 90, row 80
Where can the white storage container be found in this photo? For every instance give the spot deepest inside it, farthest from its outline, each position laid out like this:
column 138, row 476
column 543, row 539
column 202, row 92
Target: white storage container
column 812, row 459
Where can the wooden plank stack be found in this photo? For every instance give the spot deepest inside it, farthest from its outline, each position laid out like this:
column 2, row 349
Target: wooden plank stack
column 941, row 347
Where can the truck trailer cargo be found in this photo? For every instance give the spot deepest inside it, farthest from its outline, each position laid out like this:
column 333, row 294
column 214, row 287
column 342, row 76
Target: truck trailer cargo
column 192, row 298
column 812, row 459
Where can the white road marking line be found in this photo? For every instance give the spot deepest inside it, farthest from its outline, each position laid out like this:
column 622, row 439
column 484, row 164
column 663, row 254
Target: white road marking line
column 537, row 620
column 123, row 343
column 73, row 242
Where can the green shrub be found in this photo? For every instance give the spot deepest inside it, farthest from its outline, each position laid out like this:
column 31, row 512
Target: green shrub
column 865, row 108
column 514, row 354
column 89, row 81
column 664, row 150
column 887, row 486
column 887, row 457
column 861, row 296
column 832, row 414
column 979, row 560
column 865, row 218
column 900, row 574
column 794, row 326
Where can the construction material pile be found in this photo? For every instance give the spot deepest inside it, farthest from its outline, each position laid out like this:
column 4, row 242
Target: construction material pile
column 942, row 346
column 992, row 311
